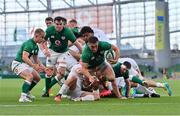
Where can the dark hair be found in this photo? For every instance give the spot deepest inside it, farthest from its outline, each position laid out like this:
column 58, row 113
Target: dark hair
column 73, row 21
column 86, row 29
column 93, row 39
column 59, row 19
column 49, row 19
column 127, row 64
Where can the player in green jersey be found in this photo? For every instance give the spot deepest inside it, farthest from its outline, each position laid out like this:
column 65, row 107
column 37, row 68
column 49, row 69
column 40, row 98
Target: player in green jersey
column 26, row 68
column 72, row 24
column 58, row 35
column 49, row 21
column 93, row 61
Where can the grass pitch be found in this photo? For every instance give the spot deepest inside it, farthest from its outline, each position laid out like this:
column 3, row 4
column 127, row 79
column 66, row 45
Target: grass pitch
column 10, row 90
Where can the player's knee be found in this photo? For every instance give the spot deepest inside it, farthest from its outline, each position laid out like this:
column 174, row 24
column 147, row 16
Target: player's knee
column 96, row 96
column 29, row 77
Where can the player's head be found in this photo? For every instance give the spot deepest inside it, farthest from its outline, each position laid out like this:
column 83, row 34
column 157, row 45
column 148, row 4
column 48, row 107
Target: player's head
column 93, row 43
column 125, row 66
column 86, row 32
column 39, row 35
column 59, row 23
column 72, row 23
column 49, row 21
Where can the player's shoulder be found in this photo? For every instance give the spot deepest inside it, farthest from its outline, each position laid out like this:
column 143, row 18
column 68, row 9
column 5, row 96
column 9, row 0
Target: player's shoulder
column 67, row 29
column 28, row 42
column 50, row 29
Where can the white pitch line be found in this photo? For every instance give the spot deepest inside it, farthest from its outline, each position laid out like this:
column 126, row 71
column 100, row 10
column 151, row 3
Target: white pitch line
column 74, row 104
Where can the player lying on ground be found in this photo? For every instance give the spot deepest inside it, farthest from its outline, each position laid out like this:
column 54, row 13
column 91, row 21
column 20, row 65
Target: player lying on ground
column 73, row 86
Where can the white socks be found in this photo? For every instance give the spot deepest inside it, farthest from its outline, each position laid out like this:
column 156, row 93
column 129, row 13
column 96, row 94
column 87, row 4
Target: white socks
column 64, row 89
column 88, row 98
column 143, row 89
column 159, row 84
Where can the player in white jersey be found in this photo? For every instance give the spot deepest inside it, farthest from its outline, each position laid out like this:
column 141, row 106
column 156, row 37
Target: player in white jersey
column 73, row 87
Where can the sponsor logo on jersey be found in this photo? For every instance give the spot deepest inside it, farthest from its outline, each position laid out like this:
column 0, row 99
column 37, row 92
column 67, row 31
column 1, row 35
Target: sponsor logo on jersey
column 92, row 58
column 63, row 37
column 52, row 36
column 58, row 43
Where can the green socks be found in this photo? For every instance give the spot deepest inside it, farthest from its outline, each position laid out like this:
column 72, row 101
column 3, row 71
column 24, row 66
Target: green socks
column 32, row 85
column 26, row 86
column 53, row 82
column 137, row 80
column 47, row 83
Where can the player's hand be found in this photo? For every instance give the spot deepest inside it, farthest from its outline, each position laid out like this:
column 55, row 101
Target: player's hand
column 36, row 67
column 112, row 61
column 46, row 53
column 122, row 97
column 41, row 68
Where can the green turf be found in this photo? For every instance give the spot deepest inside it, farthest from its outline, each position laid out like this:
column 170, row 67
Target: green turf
column 10, row 90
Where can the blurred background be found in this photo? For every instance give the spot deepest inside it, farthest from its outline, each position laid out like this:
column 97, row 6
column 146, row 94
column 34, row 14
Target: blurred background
column 145, row 30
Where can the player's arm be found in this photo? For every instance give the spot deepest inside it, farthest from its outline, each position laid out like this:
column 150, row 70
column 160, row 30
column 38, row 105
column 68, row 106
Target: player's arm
column 85, row 72
column 43, row 45
column 25, row 58
column 128, row 87
column 37, row 61
column 44, row 48
column 75, row 54
column 117, row 52
column 73, row 39
column 78, row 45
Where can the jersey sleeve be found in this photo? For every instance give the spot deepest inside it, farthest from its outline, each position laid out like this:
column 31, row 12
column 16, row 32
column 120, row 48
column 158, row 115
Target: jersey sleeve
column 27, row 48
column 105, row 45
column 84, row 56
column 48, row 31
column 70, row 35
column 126, row 75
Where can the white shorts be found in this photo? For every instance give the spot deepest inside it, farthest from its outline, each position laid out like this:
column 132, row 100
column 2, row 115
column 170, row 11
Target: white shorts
column 69, row 59
column 52, row 60
column 119, row 82
column 78, row 90
column 18, row 67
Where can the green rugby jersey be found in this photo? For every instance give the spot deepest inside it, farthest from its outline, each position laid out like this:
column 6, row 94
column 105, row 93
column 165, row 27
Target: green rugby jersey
column 59, row 40
column 29, row 46
column 118, row 73
column 95, row 59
